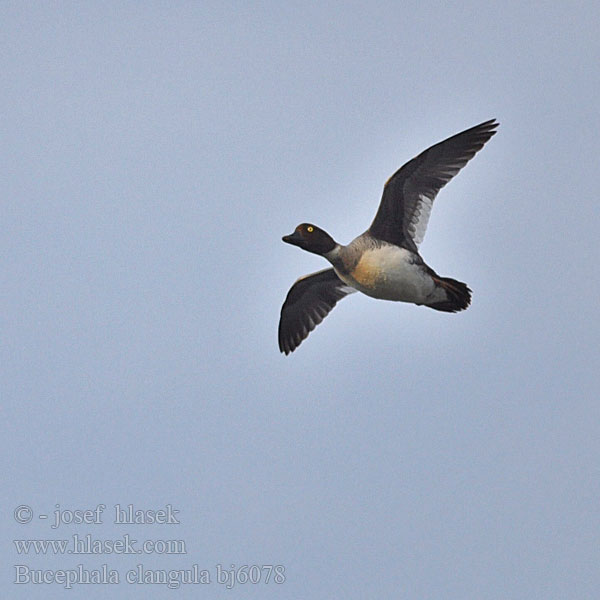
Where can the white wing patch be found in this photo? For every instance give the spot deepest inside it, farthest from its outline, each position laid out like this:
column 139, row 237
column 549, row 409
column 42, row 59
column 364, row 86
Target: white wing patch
column 419, row 218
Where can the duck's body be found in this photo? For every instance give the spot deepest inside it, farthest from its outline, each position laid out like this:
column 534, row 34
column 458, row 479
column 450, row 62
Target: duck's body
column 382, row 270
column 384, row 262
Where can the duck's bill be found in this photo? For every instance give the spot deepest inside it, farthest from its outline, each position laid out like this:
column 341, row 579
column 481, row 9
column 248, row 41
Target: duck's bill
column 294, row 238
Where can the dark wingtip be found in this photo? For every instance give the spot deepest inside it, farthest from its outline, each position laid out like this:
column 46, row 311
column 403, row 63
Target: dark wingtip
column 490, row 126
column 284, row 347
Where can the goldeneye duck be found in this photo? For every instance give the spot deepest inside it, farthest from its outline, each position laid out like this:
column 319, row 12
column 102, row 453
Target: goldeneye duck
column 384, row 262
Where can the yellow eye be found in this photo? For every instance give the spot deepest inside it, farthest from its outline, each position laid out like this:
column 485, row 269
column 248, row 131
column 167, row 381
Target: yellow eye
column 309, row 229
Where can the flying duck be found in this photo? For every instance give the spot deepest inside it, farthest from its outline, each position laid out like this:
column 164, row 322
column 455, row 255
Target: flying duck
column 384, row 262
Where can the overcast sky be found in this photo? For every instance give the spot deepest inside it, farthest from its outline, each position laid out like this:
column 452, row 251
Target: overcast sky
column 153, row 154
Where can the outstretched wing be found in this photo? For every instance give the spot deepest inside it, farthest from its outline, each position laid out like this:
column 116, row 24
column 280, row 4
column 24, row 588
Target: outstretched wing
column 308, row 302
column 409, row 193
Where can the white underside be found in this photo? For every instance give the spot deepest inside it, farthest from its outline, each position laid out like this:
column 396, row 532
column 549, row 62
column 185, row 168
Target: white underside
column 390, row 274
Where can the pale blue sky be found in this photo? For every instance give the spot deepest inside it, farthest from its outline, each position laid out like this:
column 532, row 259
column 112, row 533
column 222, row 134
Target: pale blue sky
column 153, row 156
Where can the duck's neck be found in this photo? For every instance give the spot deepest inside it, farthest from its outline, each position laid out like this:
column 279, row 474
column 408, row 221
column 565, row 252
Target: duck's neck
column 335, row 256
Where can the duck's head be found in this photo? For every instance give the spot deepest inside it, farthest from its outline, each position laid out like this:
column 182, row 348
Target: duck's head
column 311, row 238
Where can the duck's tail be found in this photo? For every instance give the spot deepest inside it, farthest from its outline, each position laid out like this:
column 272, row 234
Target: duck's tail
column 458, row 295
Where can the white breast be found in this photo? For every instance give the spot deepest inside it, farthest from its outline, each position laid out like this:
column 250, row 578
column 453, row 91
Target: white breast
column 389, row 273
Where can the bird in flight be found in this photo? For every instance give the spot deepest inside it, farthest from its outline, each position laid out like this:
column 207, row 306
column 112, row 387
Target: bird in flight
column 384, row 262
